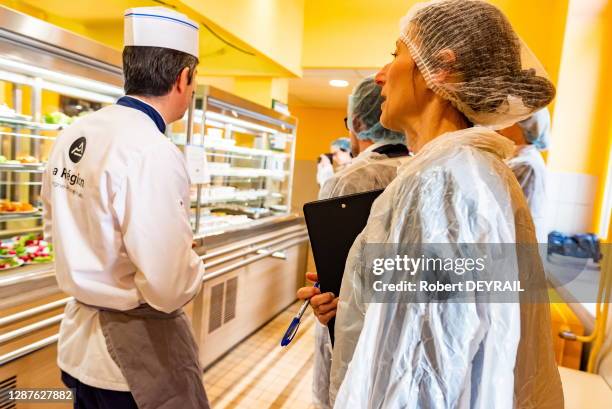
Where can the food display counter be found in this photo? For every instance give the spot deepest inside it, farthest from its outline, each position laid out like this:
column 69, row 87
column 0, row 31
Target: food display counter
column 254, row 250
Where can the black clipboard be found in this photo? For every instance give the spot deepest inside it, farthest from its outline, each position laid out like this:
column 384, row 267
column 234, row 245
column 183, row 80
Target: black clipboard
column 333, row 225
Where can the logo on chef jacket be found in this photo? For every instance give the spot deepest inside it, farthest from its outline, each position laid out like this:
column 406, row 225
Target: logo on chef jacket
column 77, row 149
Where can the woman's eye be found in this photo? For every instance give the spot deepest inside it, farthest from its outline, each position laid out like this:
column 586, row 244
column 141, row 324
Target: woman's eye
column 394, row 54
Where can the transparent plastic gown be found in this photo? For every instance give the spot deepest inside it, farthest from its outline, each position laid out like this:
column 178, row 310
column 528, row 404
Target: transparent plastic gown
column 368, row 171
column 530, row 170
column 457, row 189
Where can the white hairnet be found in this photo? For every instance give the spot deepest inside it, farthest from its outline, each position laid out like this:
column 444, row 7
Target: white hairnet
column 537, row 129
column 365, row 104
column 469, row 54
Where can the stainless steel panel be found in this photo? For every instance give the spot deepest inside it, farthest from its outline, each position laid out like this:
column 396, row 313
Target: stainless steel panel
column 32, row 41
column 230, row 294
column 265, row 288
column 56, row 37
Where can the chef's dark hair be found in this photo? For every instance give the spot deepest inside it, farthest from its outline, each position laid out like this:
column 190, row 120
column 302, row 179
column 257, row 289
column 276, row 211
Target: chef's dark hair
column 153, row 71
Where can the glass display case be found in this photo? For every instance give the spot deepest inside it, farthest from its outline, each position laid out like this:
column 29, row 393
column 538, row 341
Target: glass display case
column 49, row 77
column 249, row 152
column 43, row 88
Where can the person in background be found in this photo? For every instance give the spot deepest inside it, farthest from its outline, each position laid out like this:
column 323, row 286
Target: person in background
column 378, row 153
column 121, row 232
column 339, row 158
column 459, row 72
column 531, row 136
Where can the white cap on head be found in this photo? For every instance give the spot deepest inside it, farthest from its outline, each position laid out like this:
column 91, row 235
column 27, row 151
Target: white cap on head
column 160, row 27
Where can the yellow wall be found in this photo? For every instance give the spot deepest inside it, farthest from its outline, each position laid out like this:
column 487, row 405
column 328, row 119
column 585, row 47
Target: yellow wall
column 317, row 128
column 362, row 33
column 273, row 27
column 261, row 89
column 581, row 126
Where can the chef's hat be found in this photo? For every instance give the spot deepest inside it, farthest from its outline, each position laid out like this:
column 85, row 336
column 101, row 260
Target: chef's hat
column 160, row 27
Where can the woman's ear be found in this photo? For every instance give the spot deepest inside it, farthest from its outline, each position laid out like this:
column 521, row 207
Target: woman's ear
column 446, row 58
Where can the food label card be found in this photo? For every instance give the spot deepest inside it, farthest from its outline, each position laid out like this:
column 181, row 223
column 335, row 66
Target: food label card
column 196, row 164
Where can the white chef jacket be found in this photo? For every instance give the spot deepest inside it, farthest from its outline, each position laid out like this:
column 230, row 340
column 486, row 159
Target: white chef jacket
column 116, row 208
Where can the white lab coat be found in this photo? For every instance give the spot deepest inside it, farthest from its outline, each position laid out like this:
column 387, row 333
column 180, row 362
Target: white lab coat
column 530, row 170
column 445, row 355
column 368, row 171
column 325, row 170
column 119, row 222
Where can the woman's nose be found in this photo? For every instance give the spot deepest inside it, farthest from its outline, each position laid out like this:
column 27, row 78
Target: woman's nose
column 381, row 76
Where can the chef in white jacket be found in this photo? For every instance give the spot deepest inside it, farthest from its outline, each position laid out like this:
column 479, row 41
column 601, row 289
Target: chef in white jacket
column 378, row 153
column 116, row 206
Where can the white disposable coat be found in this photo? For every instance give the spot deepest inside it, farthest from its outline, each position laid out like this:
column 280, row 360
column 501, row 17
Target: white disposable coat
column 389, row 356
column 530, row 171
column 368, row 171
column 325, row 170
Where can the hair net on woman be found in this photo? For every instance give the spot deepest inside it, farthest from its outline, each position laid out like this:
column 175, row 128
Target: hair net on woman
column 457, row 189
column 368, row 171
column 342, row 143
column 364, row 105
column 495, row 84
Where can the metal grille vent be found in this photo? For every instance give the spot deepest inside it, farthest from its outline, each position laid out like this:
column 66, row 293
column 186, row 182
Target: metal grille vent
column 5, row 386
column 231, row 294
column 215, row 318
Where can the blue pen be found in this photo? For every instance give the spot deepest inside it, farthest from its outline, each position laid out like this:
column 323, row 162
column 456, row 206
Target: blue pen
column 295, row 323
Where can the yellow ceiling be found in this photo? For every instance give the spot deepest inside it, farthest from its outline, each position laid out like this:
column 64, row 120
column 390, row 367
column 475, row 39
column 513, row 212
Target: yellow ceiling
column 86, row 11
column 290, row 35
column 105, row 24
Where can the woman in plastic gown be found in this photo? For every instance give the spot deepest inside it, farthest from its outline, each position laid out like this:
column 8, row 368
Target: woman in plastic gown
column 459, row 73
column 378, row 153
column 340, row 156
column 532, row 136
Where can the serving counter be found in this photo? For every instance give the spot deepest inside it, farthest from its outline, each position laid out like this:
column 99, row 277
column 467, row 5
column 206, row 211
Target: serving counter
column 253, row 248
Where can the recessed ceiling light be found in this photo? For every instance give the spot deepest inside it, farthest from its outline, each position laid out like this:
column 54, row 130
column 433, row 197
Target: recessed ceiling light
column 338, row 83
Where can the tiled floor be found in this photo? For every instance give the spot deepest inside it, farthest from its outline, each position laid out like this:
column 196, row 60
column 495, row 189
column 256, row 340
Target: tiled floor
column 260, row 374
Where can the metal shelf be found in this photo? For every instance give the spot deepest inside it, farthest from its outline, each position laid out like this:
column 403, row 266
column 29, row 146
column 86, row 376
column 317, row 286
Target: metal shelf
column 25, row 135
column 14, row 123
column 239, row 196
column 22, row 167
column 5, row 217
column 9, row 183
column 249, row 172
column 245, row 151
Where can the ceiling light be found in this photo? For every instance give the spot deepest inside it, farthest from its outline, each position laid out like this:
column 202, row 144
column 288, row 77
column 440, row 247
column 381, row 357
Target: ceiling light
column 338, row 83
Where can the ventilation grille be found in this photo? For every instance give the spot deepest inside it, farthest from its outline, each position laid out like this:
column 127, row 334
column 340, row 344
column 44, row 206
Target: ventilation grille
column 215, row 320
column 231, row 292
column 5, row 386
column 223, row 298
